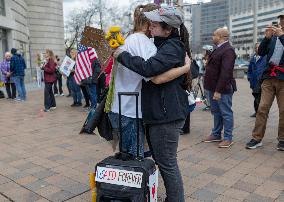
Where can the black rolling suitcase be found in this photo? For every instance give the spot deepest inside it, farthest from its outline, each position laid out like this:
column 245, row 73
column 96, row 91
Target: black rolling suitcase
column 125, row 178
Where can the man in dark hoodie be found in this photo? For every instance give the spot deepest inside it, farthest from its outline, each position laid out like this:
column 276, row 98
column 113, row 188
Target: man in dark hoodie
column 17, row 68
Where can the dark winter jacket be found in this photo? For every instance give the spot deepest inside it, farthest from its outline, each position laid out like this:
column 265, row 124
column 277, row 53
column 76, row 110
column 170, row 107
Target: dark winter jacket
column 17, row 65
column 255, row 71
column 219, row 70
column 165, row 102
column 49, row 71
column 267, row 47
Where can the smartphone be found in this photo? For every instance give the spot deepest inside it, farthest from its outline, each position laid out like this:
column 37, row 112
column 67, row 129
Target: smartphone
column 275, row 23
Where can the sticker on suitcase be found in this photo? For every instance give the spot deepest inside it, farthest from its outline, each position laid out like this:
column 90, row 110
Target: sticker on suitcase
column 153, row 186
column 119, row 177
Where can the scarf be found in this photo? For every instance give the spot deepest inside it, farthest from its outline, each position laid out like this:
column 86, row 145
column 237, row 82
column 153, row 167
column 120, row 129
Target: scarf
column 111, row 89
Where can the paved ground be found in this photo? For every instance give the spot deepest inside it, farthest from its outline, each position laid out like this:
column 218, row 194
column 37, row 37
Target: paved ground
column 43, row 158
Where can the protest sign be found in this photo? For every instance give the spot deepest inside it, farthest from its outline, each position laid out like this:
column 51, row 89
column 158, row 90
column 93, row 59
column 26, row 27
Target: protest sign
column 67, row 66
column 95, row 38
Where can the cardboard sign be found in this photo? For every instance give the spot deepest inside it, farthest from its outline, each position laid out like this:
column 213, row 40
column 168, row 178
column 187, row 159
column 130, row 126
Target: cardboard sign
column 95, row 38
column 119, row 177
column 67, row 66
column 153, row 186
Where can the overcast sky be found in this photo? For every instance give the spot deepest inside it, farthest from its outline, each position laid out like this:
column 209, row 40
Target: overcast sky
column 69, row 5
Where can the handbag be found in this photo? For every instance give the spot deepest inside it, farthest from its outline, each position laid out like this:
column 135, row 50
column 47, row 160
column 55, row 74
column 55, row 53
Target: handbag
column 104, row 126
column 191, row 101
column 190, row 97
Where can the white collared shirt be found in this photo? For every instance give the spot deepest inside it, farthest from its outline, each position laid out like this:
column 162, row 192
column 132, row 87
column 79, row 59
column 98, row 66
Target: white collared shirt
column 221, row 44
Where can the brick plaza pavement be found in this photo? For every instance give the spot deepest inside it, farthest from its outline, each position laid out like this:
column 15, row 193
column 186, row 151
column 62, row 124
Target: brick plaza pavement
column 42, row 157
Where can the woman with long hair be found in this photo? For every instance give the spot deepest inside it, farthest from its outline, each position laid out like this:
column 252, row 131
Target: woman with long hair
column 164, row 106
column 49, row 69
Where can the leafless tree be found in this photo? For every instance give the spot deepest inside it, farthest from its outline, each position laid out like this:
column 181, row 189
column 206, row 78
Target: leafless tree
column 100, row 15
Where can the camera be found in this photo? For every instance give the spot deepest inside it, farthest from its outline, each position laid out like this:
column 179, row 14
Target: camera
column 275, row 23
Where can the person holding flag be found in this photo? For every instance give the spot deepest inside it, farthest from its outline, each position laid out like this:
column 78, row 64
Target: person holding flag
column 75, row 88
column 87, row 71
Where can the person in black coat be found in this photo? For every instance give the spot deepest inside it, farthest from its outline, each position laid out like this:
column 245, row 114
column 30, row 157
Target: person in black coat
column 164, row 106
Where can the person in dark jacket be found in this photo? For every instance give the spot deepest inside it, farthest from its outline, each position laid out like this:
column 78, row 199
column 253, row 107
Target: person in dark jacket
column 17, row 68
column 49, row 78
column 256, row 68
column 273, row 84
column 165, row 106
column 75, row 88
column 219, row 81
column 58, row 80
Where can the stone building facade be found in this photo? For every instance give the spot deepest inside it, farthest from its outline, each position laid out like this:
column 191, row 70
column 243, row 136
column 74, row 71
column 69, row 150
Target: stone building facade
column 31, row 26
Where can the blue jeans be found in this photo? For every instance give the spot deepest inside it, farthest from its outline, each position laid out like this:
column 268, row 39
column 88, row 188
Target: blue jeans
column 76, row 90
column 129, row 133
column 92, row 88
column 223, row 115
column 20, row 86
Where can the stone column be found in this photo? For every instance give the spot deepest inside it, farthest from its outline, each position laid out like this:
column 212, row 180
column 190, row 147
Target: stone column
column 46, row 27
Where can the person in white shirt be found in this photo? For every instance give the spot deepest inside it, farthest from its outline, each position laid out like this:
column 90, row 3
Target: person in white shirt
column 138, row 44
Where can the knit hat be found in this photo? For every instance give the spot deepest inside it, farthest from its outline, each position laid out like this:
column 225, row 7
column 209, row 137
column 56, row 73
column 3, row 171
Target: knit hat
column 13, row 51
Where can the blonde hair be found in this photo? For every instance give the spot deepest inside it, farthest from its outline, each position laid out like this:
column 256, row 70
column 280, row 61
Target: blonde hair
column 50, row 54
column 139, row 18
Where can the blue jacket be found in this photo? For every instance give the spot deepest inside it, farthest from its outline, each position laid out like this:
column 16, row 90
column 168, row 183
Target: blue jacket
column 255, row 70
column 17, row 65
column 266, row 47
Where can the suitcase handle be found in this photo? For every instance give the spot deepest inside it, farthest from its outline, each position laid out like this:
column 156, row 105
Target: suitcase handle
column 136, row 94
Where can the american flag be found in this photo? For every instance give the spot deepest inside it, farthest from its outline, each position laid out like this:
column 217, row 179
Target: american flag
column 84, row 60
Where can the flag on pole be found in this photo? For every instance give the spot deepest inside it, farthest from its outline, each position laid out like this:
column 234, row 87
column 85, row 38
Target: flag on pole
column 84, row 60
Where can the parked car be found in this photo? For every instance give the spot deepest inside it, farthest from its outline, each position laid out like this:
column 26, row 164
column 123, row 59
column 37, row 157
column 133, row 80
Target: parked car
column 241, row 64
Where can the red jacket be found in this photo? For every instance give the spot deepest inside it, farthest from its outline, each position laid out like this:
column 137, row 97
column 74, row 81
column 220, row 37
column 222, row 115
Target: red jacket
column 49, row 71
column 108, row 70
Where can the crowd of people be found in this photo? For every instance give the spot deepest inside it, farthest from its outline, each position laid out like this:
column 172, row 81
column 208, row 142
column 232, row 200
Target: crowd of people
column 160, row 71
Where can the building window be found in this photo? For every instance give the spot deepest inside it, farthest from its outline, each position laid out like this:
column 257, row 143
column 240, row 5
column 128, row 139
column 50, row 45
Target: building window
column 2, row 7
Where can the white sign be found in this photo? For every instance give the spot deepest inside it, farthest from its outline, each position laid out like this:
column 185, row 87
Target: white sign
column 153, row 186
column 67, row 66
column 119, row 177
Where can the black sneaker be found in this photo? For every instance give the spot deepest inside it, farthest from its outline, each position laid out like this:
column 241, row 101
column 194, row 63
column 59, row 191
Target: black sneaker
column 86, row 106
column 253, row 144
column 78, row 104
column 280, row 146
column 73, row 105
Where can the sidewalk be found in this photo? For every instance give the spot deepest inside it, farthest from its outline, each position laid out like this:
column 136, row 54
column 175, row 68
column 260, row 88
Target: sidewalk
column 43, row 158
